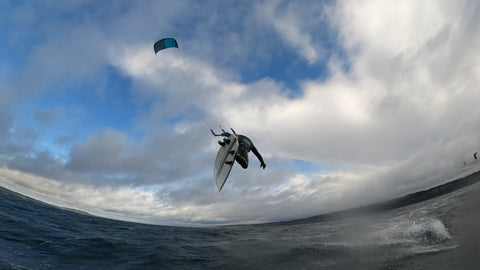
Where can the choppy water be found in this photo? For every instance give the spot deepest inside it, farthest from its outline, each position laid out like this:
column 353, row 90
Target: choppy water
column 442, row 233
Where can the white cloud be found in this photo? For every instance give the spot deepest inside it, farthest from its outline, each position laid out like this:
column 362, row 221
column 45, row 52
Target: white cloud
column 391, row 28
column 289, row 23
column 117, row 203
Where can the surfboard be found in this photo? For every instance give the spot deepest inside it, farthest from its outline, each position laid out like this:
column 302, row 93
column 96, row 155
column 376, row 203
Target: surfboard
column 226, row 153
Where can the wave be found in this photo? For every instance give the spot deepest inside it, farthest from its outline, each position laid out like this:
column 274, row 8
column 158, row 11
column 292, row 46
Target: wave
column 404, row 233
column 427, row 231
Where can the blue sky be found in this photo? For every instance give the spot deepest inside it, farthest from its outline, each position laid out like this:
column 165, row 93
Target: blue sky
column 349, row 103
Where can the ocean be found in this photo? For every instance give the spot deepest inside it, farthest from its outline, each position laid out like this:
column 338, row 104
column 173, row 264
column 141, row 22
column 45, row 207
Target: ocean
column 438, row 233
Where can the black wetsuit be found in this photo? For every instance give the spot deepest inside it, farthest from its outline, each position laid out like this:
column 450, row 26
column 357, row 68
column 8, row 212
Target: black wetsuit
column 245, row 146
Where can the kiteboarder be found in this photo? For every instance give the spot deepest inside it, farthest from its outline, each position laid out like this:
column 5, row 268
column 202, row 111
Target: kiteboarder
column 245, row 145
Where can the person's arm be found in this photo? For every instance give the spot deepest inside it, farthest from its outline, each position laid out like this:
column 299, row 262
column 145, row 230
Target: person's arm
column 257, row 154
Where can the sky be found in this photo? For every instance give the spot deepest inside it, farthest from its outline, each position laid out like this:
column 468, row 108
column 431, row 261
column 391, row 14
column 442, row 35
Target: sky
column 349, row 102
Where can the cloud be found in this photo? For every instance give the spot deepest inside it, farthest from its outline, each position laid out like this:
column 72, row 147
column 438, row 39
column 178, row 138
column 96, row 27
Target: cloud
column 162, row 157
column 99, row 153
column 104, row 201
column 5, row 116
column 290, row 22
column 48, row 115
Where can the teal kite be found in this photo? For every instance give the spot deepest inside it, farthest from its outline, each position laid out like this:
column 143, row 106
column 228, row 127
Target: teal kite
column 164, row 43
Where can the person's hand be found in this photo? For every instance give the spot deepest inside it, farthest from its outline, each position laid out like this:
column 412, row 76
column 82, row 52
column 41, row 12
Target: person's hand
column 263, row 166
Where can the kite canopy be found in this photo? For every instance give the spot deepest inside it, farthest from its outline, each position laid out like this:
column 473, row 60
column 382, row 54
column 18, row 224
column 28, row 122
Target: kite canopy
column 475, row 155
column 164, row 43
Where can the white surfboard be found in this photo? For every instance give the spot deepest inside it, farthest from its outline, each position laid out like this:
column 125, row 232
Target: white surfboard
column 226, row 153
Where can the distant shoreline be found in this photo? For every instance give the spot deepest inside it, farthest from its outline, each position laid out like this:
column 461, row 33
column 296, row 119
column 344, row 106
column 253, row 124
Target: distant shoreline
column 406, row 200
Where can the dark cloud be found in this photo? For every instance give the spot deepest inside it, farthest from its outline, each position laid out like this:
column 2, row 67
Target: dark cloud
column 42, row 164
column 162, row 157
column 48, row 115
column 6, row 119
column 64, row 139
column 101, row 153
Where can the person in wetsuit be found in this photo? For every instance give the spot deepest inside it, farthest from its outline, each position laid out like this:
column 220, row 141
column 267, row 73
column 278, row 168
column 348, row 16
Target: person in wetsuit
column 245, row 145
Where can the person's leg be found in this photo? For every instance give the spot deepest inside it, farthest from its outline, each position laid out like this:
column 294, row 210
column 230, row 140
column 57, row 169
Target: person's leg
column 242, row 157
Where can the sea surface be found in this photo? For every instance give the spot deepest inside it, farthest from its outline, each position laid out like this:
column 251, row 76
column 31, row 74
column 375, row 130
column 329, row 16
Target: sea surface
column 440, row 233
